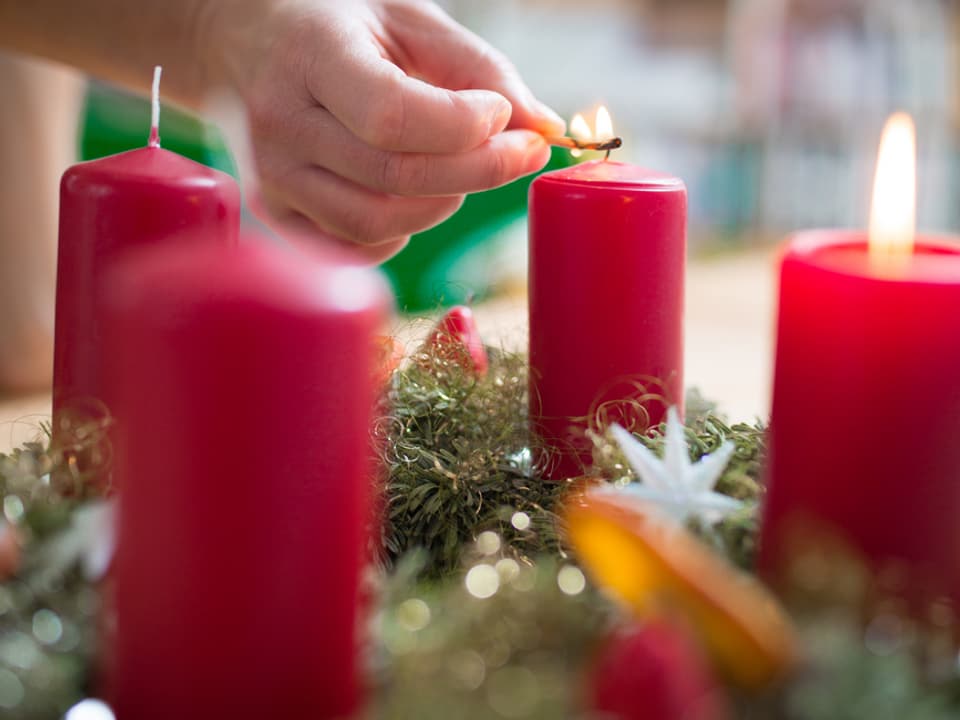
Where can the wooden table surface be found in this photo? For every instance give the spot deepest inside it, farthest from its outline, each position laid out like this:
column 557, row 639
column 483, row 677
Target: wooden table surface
column 729, row 330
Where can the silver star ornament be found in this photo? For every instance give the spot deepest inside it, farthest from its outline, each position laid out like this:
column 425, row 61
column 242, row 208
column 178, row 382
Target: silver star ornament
column 681, row 489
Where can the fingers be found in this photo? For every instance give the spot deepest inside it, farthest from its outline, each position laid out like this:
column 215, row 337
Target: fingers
column 321, row 139
column 500, row 160
column 352, row 213
column 396, row 111
column 300, row 230
column 382, row 134
column 390, row 110
column 447, row 54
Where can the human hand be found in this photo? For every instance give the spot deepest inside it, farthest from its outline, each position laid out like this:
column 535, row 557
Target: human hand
column 371, row 119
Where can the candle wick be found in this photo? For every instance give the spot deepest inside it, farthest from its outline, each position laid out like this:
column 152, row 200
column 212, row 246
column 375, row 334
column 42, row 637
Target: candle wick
column 155, row 109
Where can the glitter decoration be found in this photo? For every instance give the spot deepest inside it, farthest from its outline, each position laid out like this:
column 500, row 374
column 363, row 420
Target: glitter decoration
column 459, row 467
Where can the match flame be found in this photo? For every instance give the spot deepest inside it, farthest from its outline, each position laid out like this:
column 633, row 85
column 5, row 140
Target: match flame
column 579, row 128
column 603, row 125
column 893, row 214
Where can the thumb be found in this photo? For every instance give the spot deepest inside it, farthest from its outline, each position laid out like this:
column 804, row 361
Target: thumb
column 446, row 54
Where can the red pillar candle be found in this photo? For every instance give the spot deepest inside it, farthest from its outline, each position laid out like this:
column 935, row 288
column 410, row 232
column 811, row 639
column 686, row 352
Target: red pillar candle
column 107, row 206
column 245, row 387
column 607, row 254
column 866, row 409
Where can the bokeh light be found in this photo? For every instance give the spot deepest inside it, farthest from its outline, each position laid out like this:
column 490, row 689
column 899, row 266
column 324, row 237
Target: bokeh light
column 488, row 543
column 89, row 710
column 571, row 580
column 483, row 581
column 520, row 520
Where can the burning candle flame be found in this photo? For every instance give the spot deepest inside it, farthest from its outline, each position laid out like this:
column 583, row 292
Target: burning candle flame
column 893, row 214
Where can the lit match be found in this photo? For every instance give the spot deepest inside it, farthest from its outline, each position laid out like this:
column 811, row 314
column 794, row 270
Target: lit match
column 574, row 144
column 600, row 137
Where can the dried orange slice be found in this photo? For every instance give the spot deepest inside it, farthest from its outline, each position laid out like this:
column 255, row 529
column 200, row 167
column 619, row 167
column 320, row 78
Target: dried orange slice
column 655, row 565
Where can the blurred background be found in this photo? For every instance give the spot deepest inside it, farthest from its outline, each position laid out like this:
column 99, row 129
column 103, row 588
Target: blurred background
column 770, row 110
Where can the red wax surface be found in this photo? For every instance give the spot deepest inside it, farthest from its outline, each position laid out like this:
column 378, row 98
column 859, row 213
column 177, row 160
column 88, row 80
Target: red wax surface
column 107, row 207
column 866, row 410
column 654, row 672
column 607, row 256
column 244, row 380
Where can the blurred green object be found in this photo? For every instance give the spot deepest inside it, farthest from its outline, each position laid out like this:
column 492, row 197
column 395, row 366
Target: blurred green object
column 450, row 264
column 428, row 274
column 114, row 121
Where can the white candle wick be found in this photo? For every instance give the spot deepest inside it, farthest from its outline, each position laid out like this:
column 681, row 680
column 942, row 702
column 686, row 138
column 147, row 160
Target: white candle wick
column 155, row 108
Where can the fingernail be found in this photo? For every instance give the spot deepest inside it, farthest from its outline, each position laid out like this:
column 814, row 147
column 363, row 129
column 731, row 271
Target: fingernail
column 500, row 118
column 537, row 153
column 489, row 107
